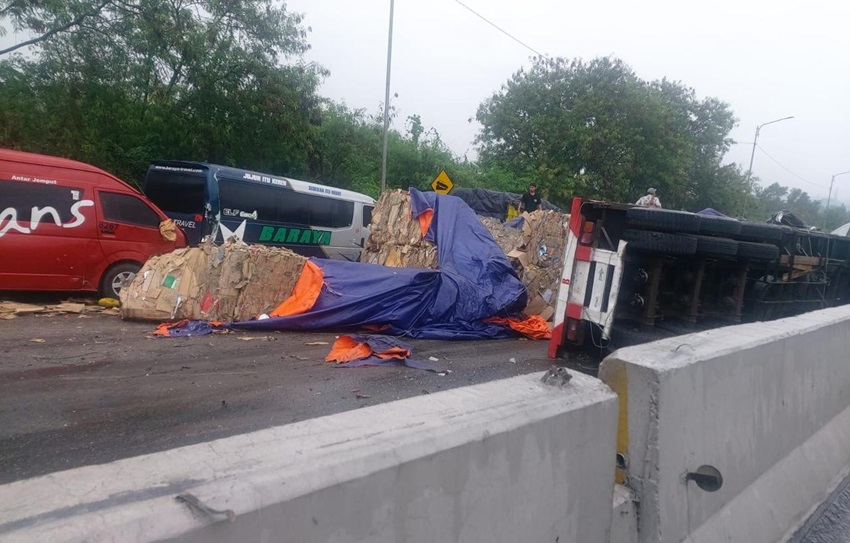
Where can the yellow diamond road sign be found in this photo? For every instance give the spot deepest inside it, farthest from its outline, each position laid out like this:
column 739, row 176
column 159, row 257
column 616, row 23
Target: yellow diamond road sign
column 442, row 184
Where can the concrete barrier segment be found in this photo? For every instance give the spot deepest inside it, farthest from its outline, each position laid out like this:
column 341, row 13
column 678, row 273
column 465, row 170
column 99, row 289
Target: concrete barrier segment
column 510, row 460
column 742, row 399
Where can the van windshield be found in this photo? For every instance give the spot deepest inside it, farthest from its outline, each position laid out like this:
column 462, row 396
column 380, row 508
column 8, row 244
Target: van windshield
column 176, row 192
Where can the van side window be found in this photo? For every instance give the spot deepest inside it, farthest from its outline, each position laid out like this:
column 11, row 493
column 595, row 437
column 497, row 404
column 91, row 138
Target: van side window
column 23, row 196
column 367, row 215
column 128, row 209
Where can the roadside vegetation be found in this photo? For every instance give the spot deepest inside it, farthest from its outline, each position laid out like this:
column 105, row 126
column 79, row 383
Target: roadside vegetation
column 118, row 84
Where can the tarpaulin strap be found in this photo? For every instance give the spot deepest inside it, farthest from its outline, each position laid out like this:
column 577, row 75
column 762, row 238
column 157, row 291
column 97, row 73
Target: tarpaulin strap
column 305, row 293
column 534, row 327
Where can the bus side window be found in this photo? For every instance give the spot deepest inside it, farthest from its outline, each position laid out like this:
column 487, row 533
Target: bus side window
column 237, row 197
column 367, row 215
column 313, row 210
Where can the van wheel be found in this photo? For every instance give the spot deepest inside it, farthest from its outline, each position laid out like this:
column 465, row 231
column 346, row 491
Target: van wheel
column 116, row 278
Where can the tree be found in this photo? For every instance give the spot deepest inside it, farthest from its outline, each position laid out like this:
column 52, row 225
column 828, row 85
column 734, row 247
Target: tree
column 47, row 18
column 205, row 79
column 595, row 129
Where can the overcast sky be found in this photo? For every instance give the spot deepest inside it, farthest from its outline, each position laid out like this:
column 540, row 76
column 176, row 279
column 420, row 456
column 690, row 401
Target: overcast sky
column 768, row 59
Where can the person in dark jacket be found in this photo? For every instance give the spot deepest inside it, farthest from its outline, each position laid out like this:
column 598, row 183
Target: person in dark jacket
column 530, row 200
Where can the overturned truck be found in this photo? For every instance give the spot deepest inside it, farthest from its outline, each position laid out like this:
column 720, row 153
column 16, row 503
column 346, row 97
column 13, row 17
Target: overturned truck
column 633, row 274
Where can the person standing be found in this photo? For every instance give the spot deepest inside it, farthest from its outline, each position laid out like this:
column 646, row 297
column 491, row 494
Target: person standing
column 649, row 199
column 530, row 200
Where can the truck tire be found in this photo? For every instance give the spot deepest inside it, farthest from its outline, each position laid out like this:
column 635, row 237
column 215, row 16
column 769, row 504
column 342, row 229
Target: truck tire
column 663, row 220
column 660, row 242
column 711, row 246
column 718, row 226
column 116, row 277
column 753, row 231
column 757, row 251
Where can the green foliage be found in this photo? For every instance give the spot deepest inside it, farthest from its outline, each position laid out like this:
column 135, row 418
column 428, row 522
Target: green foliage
column 197, row 80
column 119, row 84
column 594, row 129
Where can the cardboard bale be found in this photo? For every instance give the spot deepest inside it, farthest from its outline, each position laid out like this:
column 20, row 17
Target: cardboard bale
column 231, row 282
column 509, row 239
column 395, row 239
column 545, row 235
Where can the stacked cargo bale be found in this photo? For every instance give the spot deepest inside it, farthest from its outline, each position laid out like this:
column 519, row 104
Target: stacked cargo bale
column 508, row 238
column 395, row 239
column 232, row 282
column 536, row 249
column 545, row 236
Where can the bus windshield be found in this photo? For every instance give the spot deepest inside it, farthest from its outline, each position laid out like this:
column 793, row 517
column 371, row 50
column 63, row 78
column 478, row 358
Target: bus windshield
column 176, row 192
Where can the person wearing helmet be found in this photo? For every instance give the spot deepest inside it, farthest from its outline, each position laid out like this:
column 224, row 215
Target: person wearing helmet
column 650, row 199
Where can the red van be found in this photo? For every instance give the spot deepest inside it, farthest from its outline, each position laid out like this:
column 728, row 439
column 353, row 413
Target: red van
column 66, row 225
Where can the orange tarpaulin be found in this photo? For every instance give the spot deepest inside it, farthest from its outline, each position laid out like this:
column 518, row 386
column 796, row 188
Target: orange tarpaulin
column 305, row 294
column 534, row 327
column 425, row 219
column 346, row 349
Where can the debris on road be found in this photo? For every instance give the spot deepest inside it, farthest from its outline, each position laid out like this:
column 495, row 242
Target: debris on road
column 231, row 282
column 11, row 310
column 556, row 376
column 196, row 505
column 374, row 350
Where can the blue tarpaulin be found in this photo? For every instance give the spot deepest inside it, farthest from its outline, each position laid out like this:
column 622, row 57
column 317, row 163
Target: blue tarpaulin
column 475, row 282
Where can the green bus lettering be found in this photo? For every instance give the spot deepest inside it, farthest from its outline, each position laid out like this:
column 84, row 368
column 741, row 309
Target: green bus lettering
column 280, row 236
column 305, row 237
column 266, row 233
column 294, row 233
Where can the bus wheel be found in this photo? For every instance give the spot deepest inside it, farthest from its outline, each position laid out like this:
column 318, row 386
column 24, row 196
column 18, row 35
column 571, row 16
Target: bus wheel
column 116, row 278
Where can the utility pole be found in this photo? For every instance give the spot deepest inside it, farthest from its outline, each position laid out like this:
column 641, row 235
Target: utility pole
column 387, row 101
column 755, row 141
column 826, row 211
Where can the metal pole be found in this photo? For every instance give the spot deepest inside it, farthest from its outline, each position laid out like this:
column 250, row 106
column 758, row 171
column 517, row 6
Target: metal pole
column 756, row 139
column 387, row 101
column 753, row 155
column 829, row 198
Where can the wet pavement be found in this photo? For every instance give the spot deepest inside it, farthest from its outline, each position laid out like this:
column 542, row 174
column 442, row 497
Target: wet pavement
column 831, row 522
column 80, row 390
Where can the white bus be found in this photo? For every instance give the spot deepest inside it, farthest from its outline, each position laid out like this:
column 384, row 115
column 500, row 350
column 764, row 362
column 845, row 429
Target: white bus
column 312, row 220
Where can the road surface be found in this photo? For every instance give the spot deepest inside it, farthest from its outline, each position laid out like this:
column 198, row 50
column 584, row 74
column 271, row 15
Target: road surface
column 80, row 390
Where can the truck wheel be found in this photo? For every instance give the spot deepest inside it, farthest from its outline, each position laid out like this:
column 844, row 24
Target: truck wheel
column 718, row 226
column 757, row 251
column 660, row 242
column 710, row 246
column 754, row 231
column 663, row 220
column 116, row 278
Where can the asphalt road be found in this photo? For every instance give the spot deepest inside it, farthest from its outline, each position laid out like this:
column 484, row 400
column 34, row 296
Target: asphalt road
column 80, row 390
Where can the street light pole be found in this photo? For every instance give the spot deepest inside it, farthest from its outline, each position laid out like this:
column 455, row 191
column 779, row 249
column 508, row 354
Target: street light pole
column 755, row 141
column 831, row 183
column 387, row 101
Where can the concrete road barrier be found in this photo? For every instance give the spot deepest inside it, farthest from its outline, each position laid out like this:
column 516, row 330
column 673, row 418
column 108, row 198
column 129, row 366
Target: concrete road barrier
column 766, row 404
column 511, row 460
